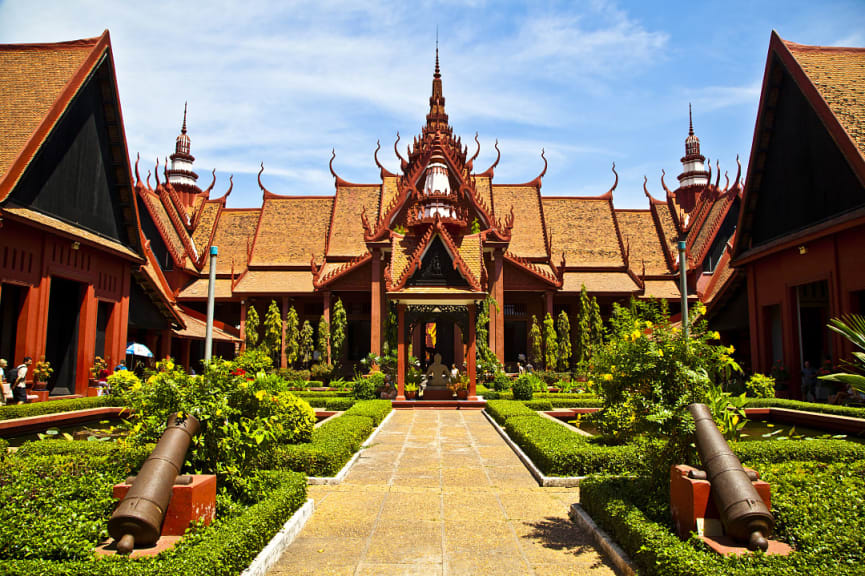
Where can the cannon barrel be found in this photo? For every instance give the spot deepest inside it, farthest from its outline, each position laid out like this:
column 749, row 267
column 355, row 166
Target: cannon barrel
column 743, row 513
column 138, row 518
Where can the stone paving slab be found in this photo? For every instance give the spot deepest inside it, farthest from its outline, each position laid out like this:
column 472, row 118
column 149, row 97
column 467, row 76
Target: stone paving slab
column 440, row 493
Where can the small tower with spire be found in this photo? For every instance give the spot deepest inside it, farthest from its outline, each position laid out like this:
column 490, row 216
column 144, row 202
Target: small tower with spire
column 437, row 119
column 693, row 168
column 181, row 175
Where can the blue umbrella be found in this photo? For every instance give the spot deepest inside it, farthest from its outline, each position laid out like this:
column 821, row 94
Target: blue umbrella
column 136, row 349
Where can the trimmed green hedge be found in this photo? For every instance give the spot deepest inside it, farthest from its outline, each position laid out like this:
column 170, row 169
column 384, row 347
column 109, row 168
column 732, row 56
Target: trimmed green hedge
column 818, row 450
column 819, row 509
column 307, row 394
column 55, row 406
column 332, row 404
column 558, row 451
column 333, row 443
column 806, row 406
column 225, row 548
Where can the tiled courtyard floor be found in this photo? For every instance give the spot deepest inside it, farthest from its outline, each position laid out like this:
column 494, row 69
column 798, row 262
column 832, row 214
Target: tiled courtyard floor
column 439, row 492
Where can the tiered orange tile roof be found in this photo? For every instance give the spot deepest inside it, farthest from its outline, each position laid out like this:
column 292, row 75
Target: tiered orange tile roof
column 291, row 230
column 205, row 220
column 642, row 242
column 584, row 229
column 839, row 76
column 346, row 230
column 235, row 231
column 528, row 237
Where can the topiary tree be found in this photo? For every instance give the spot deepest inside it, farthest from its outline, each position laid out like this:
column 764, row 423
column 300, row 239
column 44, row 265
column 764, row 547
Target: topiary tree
column 292, row 337
column 337, row 335
column 305, row 343
column 551, row 344
column 391, row 330
column 584, row 328
column 487, row 361
column 323, row 338
column 273, row 330
column 563, row 327
column 597, row 325
column 535, row 350
column 252, row 323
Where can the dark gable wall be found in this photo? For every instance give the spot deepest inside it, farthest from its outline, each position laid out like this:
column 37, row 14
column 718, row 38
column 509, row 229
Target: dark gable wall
column 806, row 178
column 71, row 177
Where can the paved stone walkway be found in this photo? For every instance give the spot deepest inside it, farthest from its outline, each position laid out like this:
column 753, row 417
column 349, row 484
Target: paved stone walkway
column 439, row 492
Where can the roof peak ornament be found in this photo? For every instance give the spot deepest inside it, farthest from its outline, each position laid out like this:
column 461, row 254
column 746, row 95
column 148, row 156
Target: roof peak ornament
column 183, row 128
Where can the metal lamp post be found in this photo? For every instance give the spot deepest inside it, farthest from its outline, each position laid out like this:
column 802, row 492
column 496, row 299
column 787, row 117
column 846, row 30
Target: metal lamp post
column 211, row 295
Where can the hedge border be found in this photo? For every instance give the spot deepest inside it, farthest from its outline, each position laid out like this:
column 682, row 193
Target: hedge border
column 56, row 406
column 850, row 411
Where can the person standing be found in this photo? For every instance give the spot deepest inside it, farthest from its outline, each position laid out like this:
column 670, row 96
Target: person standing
column 4, row 385
column 19, row 387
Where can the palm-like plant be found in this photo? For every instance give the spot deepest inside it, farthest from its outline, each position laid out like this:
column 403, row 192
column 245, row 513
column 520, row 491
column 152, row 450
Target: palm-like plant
column 852, row 327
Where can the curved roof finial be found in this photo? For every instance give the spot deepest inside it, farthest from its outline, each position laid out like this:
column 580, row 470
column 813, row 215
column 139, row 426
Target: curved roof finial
column 384, row 171
column 156, row 172
column 727, row 178
column 541, row 175
column 402, row 160
column 260, row 185
column 230, row 188
column 212, row 182
column 470, row 164
column 616, row 183
column 664, row 184
column 718, row 175
column 148, row 179
column 332, row 156
column 738, row 172
column 645, row 189
column 165, row 170
column 183, row 129
column 137, row 176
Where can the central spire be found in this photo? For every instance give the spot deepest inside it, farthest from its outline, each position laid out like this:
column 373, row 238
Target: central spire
column 437, row 119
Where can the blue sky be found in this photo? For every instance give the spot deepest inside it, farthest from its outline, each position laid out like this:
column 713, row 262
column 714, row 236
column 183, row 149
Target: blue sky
column 591, row 82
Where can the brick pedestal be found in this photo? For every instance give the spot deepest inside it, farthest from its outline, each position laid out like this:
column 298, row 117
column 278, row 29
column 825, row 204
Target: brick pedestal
column 189, row 503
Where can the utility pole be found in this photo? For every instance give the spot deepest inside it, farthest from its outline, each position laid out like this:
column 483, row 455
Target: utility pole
column 211, row 296
column 683, row 287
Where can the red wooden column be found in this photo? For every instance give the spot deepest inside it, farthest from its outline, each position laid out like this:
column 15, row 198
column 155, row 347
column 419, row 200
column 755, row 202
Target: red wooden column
column 86, row 340
column 121, row 309
column 375, row 305
column 471, row 361
column 497, row 312
column 242, row 325
column 401, row 352
column 548, row 304
column 185, row 353
column 283, row 360
column 165, row 345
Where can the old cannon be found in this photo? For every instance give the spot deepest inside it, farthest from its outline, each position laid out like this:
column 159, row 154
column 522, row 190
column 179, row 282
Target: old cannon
column 743, row 513
column 138, row 518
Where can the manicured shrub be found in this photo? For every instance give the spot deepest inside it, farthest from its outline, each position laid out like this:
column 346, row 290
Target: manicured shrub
column 55, row 406
column 321, row 372
column 539, row 405
column 332, row 445
column 760, row 386
column 377, row 410
column 522, row 388
column 121, row 382
column 501, row 410
column 502, row 382
column 812, row 449
column 57, row 497
column 366, row 387
column 851, row 411
column 292, row 375
column 339, row 404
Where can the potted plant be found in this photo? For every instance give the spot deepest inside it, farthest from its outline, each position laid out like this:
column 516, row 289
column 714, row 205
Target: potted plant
column 460, row 387
column 42, row 371
column 410, row 391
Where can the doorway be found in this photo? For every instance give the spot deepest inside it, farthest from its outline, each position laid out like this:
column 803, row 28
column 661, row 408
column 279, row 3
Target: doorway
column 11, row 302
column 815, row 345
column 61, row 339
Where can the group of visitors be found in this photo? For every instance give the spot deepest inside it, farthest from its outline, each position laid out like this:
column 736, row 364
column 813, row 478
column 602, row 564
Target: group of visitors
column 13, row 381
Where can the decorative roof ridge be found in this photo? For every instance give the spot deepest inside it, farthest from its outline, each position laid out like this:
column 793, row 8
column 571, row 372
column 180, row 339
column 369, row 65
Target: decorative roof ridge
column 723, row 261
column 329, row 230
column 320, row 281
column 819, row 48
column 339, row 181
column 661, row 233
column 203, row 256
column 165, row 197
column 412, row 262
column 536, row 182
column 459, row 262
column 149, row 196
column 383, row 171
column 625, row 254
column 151, row 257
column 534, row 269
column 470, row 163
column 715, row 225
column 490, row 172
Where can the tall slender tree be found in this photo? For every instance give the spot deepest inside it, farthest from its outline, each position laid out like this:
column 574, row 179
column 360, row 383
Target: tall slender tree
column 584, row 325
column 597, row 324
column 535, row 343
column 337, row 333
column 551, row 344
column 273, row 331
column 563, row 327
column 292, row 337
column 306, row 343
column 323, row 338
column 252, row 323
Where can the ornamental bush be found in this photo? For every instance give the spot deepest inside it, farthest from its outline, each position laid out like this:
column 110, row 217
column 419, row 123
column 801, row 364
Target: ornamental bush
column 241, row 415
column 760, row 386
column 501, row 382
column 366, row 387
column 523, row 388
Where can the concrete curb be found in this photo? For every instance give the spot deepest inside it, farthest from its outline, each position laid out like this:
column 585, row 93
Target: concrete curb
column 545, row 481
column 330, row 480
column 617, row 556
column 271, row 553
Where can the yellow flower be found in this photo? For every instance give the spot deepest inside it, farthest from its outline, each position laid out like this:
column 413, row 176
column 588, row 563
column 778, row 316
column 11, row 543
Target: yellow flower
column 260, row 394
column 608, row 377
column 660, row 353
column 635, row 334
column 731, row 349
column 715, row 335
column 648, row 324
